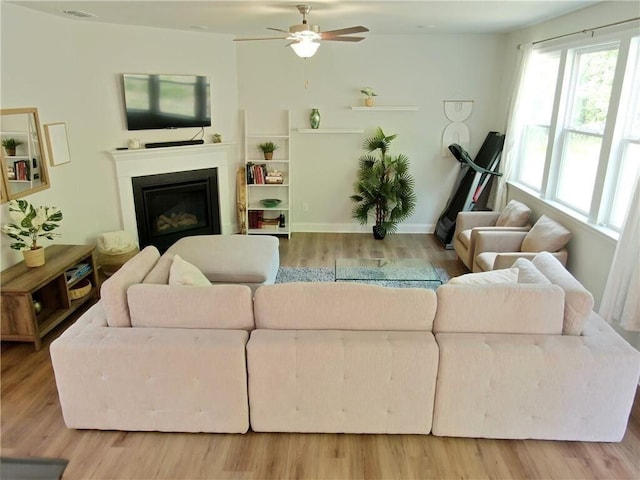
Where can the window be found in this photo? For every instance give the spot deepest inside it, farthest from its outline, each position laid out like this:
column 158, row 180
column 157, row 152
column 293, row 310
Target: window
column 579, row 141
column 537, row 108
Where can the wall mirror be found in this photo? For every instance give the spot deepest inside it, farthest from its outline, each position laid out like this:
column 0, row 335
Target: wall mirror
column 24, row 170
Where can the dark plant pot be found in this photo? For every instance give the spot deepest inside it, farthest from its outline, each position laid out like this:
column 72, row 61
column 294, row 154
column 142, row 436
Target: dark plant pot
column 379, row 232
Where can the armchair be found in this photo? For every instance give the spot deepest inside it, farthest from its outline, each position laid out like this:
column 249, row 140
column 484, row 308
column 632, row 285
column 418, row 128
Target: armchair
column 514, row 217
column 496, row 250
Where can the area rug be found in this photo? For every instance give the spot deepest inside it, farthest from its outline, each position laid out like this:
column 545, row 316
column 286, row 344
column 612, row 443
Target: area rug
column 326, row 274
column 32, row 468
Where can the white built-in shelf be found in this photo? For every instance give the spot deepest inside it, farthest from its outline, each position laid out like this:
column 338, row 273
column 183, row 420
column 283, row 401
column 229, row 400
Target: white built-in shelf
column 331, row 130
column 405, row 108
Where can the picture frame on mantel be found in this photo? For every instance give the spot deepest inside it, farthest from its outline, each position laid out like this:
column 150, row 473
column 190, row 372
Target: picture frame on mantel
column 57, row 143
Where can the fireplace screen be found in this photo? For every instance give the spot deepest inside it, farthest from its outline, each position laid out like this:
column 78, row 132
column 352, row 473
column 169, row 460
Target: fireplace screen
column 175, row 205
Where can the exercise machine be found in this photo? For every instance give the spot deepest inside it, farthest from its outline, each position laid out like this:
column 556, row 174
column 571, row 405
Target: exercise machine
column 472, row 186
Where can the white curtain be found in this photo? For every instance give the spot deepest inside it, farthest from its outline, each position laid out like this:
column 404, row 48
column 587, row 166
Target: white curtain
column 621, row 298
column 514, row 127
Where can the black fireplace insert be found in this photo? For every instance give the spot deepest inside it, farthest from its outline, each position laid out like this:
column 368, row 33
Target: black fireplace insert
column 170, row 206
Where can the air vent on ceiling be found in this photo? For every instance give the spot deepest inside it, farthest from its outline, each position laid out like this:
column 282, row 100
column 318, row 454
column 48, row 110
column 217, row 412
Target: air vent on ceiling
column 78, row 13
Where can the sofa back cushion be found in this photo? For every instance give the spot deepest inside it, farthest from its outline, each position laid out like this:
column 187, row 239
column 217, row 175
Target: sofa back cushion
column 546, row 235
column 578, row 301
column 343, row 306
column 159, row 274
column 114, row 290
column 528, row 273
column 515, row 214
column 528, row 309
column 180, row 306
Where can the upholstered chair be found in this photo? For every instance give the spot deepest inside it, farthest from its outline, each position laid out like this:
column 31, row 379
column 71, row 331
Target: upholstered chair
column 514, row 217
column 496, row 250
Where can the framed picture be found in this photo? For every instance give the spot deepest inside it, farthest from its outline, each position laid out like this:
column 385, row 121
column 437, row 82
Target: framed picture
column 57, row 143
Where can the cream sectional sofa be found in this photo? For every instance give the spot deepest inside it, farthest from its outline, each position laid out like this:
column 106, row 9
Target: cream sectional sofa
column 527, row 360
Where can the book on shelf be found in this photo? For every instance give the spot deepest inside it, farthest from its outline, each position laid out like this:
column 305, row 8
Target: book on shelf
column 77, row 271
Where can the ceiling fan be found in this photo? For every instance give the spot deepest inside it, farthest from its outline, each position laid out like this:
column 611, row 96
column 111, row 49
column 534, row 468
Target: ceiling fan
column 305, row 39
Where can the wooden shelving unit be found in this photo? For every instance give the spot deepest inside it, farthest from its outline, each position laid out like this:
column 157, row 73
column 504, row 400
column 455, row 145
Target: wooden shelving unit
column 21, row 286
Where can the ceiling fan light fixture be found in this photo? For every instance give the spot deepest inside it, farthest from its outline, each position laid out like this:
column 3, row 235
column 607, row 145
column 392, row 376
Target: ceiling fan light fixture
column 305, row 48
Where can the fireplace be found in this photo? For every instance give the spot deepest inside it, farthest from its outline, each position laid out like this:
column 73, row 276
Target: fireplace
column 170, row 206
column 145, row 162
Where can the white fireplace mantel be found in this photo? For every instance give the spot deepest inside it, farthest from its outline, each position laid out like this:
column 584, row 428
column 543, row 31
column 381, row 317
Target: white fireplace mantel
column 153, row 161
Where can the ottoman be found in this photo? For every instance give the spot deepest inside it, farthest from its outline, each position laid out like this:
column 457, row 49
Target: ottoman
column 245, row 259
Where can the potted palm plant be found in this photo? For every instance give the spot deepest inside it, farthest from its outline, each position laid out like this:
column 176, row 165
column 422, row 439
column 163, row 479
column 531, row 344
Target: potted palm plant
column 267, row 149
column 383, row 188
column 10, row 145
column 31, row 223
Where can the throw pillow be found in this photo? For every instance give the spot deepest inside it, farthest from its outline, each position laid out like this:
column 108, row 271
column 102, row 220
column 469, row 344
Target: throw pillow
column 546, row 235
column 515, row 214
column 185, row 273
column 528, row 273
column 507, row 275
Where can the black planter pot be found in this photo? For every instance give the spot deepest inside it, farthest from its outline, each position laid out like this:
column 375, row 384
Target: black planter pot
column 379, row 232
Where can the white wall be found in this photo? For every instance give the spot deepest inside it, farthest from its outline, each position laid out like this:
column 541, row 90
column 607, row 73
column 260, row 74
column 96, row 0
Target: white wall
column 69, row 70
column 420, row 70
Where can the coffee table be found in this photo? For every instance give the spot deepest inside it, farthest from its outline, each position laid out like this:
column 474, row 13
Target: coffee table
column 385, row 269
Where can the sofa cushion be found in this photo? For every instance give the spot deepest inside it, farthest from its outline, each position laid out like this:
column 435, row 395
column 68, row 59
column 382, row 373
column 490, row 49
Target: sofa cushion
column 185, row 273
column 578, row 302
column 546, row 235
column 216, row 306
column 159, row 274
column 515, row 214
column 529, row 309
column 231, row 258
column 507, row 275
column 114, row 290
column 528, row 273
column 343, row 306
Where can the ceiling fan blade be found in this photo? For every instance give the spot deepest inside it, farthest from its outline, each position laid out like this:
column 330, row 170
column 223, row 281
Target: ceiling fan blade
column 278, row 30
column 342, row 39
column 258, row 38
column 346, row 31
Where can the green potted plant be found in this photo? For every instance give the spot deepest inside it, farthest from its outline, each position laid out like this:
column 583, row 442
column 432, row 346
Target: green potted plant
column 267, row 149
column 31, row 223
column 10, row 145
column 383, row 188
column 369, row 94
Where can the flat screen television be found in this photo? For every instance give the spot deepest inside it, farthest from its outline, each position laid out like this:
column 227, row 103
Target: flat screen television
column 166, row 101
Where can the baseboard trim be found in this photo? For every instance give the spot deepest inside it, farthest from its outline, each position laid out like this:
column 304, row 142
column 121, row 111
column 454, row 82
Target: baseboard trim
column 355, row 228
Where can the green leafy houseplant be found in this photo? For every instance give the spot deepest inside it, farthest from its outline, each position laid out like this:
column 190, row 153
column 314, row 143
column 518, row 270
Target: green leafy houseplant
column 368, row 92
column 31, row 223
column 267, row 149
column 10, row 145
column 383, row 188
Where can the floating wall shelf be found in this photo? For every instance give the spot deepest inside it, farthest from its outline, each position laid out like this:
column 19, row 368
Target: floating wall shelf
column 331, row 130
column 389, row 108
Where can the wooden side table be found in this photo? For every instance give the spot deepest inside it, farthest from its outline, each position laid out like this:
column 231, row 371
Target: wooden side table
column 21, row 286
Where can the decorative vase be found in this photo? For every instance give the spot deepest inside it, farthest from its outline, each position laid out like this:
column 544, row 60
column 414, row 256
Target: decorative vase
column 379, row 232
column 368, row 102
column 216, row 138
column 268, row 155
column 315, row 118
column 34, row 258
column 11, row 151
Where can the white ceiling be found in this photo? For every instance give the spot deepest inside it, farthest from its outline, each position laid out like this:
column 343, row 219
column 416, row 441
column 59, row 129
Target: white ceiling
column 250, row 17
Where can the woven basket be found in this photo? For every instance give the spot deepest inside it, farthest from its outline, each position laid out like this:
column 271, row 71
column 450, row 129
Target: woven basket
column 80, row 289
column 112, row 262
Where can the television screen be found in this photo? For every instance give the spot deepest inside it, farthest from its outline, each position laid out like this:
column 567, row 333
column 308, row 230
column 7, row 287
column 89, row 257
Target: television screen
column 166, row 101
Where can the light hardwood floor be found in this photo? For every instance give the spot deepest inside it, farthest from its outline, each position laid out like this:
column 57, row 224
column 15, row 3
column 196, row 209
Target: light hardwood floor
column 32, row 423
